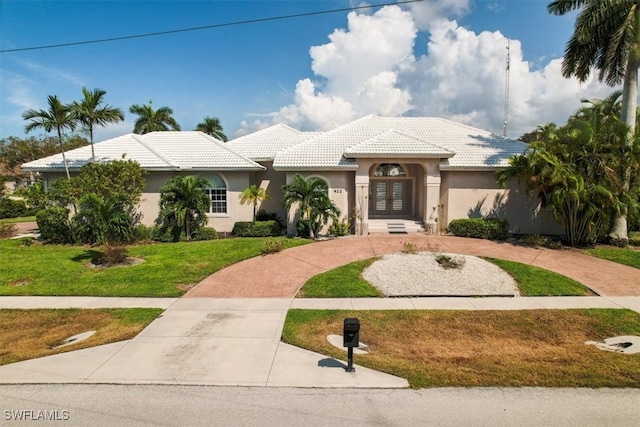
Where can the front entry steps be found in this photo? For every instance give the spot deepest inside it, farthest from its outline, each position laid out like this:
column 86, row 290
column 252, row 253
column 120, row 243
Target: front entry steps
column 395, row 226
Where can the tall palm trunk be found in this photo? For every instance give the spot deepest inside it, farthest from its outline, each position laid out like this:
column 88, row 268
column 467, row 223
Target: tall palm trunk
column 628, row 116
column 64, row 157
column 93, row 153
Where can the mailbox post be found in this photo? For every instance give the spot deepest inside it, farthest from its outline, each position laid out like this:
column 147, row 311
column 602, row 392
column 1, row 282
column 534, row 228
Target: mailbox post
column 351, row 339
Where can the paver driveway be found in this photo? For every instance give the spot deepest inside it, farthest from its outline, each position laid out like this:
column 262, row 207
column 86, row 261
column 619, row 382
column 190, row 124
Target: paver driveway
column 281, row 275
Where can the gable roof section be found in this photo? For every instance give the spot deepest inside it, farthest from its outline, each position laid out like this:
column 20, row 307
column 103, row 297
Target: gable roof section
column 326, row 151
column 472, row 148
column 171, row 150
column 391, row 142
column 263, row 145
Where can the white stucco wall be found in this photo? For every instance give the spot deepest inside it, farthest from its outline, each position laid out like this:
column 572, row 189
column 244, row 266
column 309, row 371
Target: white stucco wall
column 272, row 181
column 341, row 192
column 149, row 202
column 477, row 194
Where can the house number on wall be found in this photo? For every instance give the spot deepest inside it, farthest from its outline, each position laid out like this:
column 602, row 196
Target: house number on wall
column 337, row 190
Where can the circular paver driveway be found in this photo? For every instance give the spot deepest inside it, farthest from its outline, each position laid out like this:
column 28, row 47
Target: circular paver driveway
column 282, row 274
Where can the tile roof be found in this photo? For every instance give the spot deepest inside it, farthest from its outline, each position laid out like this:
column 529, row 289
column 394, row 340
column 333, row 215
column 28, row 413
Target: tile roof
column 472, row 148
column 190, row 150
column 391, row 142
column 457, row 146
column 265, row 143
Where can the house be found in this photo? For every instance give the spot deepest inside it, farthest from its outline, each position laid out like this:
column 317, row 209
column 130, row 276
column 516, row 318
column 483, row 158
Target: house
column 379, row 170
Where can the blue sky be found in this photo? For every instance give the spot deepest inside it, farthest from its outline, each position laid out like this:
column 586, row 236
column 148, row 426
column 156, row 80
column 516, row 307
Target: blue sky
column 438, row 58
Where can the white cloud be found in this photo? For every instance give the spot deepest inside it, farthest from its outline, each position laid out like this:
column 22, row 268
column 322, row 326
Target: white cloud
column 51, row 74
column 373, row 44
column 315, row 110
column 370, row 68
column 357, row 73
column 380, row 94
column 463, row 78
column 426, row 13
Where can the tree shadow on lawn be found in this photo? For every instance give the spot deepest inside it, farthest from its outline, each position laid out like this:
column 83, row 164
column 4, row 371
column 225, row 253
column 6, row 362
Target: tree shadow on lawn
column 90, row 255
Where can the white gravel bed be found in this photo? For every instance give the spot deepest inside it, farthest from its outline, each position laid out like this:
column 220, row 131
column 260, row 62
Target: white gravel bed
column 420, row 274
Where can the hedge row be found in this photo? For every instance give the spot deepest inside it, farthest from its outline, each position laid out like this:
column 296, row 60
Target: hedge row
column 55, row 227
column 256, row 229
column 480, row 228
column 10, row 208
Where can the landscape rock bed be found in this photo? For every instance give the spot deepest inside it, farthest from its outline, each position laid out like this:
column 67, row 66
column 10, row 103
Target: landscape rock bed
column 420, row 274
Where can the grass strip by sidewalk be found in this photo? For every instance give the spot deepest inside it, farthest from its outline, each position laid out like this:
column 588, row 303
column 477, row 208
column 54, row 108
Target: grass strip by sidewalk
column 347, row 282
column 528, row 348
column 27, row 334
column 342, row 282
column 16, row 220
column 534, row 281
column 168, row 270
column 626, row 256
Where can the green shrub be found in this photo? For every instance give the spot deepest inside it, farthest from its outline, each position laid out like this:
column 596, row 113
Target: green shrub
column 409, row 248
column 302, row 228
column 142, row 233
column 447, row 262
column 263, row 215
column 10, row 208
column 256, row 229
column 7, row 230
column 205, row 233
column 104, row 220
column 35, row 197
column 272, row 246
column 634, row 238
column 166, row 234
column 113, row 255
column 480, row 228
column 340, row 228
column 538, row 240
column 54, row 225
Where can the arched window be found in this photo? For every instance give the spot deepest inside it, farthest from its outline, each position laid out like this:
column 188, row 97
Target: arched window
column 217, row 192
column 389, row 170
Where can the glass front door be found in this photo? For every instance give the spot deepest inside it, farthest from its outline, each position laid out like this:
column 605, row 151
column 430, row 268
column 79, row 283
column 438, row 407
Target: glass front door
column 391, row 197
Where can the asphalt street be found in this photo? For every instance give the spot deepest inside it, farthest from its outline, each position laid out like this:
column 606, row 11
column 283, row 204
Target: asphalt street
column 157, row 405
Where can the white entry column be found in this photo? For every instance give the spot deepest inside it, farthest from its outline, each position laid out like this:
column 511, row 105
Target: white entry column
column 432, row 195
column 361, row 208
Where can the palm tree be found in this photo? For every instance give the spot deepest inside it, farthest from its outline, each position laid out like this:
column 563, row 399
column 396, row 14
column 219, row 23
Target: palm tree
column 253, row 195
column 104, row 220
column 599, row 111
column 183, row 203
column 576, row 171
column 211, row 126
column 312, row 199
column 58, row 117
column 151, row 120
column 607, row 37
column 89, row 112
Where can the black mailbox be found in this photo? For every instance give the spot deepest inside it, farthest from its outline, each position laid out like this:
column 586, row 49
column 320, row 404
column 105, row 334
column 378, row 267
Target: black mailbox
column 351, row 332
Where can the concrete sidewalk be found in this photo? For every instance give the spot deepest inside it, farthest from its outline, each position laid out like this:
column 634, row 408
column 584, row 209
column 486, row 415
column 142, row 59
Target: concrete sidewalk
column 236, row 341
column 195, row 341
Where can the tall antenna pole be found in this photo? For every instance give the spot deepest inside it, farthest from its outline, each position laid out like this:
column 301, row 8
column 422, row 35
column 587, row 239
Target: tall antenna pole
column 505, row 130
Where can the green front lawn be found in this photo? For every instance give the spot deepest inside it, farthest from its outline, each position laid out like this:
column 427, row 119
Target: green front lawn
column 538, row 282
column 167, row 269
column 341, row 282
column 626, row 256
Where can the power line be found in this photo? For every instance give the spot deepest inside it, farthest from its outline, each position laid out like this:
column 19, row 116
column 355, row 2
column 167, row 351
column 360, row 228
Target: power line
column 206, row 27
